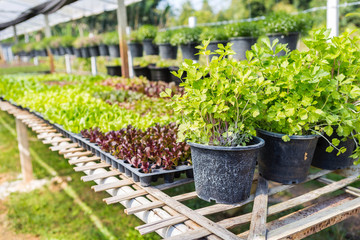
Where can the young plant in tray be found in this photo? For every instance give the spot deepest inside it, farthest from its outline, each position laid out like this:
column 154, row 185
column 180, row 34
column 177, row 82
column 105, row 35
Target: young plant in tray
column 156, row 147
column 308, row 93
column 218, row 111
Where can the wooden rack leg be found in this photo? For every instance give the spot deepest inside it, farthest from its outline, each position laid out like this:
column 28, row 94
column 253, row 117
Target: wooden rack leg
column 25, row 160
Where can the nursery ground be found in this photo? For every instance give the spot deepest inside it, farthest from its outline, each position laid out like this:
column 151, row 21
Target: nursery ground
column 50, row 213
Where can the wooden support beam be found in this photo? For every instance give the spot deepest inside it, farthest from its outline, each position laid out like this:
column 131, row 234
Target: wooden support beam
column 191, row 214
column 123, row 197
column 56, row 140
column 157, row 204
column 316, row 222
column 107, row 186
column 25, row 160
column 78, row 154
column 91, row 167
column 100, row 175
column 146, row 228
column 84, row 160
column 62, row 147
column 259, row 213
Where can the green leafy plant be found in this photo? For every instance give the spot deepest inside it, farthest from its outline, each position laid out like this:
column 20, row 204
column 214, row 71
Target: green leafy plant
column 285, row 23
column 244, row 29
column 214, row 34
column 67, row 41
column 134, row 37
column 185, row 36
column 80, row 42
column 220, row 103
column 111, row 38
column 163, row 37
column 147, row 32
column 55, row 42
column 93, row 40
column 310, row 92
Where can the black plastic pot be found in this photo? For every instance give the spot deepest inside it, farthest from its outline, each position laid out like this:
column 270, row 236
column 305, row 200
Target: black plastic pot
column 330, row 161
column 160, row 73
column 103, row 50
column 168, row 51
column 69, row 50
column 113, row 70
column 224, row 174
column 241, row 45
column 43, row 53
column 213, row 46
column 291, row 39
column 85, row 53
column 188, row 51
column 77, row 52
column 150, row 48
column 94, row 51
column 286, row 162
column 142, row 71
column 174, row 78
column 136, row 49
column 62, row 51
column 114, row 51
column 53, row 51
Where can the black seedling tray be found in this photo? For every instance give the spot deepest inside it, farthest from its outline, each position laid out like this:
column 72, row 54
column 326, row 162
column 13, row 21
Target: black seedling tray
column 123, row 166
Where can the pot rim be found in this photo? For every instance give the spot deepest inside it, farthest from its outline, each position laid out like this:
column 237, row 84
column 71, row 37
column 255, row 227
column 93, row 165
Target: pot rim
column 280, row 135
column 258, row 145
column 282, row 34
column 219, row 41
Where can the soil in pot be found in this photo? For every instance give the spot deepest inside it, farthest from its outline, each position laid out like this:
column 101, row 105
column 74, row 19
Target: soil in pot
column 136, row 49
column 142, row 71
column 224, row 174
column 113, row 70
column 85, row 53
column 213, row 46
column 77, row 52
column 241, row 45
column 189, row 50
column 114, row 51
column 331, row 161
column 286, row 162
column 94, row 51
column 160, row 73
column 174, row 78
column 291, row 40
column 150, row 48
column 103, row 50
column 168, row 51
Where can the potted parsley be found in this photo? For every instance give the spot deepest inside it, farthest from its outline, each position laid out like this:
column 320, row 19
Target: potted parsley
column 242, row 36
column 147, row 34
column 135, row 44
column 286, row 28
column 166, row 49
column 111, row 39
column 218, row 119
column 216, row 35
column 188, row 39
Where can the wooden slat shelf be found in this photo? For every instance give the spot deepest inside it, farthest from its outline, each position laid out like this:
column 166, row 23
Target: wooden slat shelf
column 319, row 208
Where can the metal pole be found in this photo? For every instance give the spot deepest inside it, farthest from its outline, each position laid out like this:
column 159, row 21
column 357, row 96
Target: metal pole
column 93, row 66
column 25, row 160
column 47, row 26
column 48, row 34
column 68, row 63
column 15, row 34
column 122, row 22
column 36, row 61
column 332, row 17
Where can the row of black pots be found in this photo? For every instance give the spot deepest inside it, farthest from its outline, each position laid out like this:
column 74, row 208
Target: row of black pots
column 225, row 174
column 153, row 73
